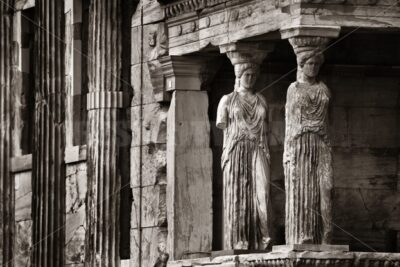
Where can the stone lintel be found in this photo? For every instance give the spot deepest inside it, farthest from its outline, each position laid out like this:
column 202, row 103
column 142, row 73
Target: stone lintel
column 310, row 30
column 21, row 163
column 310, row 247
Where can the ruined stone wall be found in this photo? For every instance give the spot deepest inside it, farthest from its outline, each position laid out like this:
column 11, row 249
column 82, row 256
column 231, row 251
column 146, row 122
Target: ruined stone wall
column 148, row 147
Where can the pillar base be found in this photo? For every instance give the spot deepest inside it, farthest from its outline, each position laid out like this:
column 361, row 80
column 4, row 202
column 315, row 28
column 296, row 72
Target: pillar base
column 296, row 258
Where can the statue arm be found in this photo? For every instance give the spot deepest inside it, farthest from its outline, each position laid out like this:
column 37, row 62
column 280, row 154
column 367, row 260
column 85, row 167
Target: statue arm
column 222, row 113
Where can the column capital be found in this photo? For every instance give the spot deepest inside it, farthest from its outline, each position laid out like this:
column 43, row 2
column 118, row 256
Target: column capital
column 310, row 31
column 187, row 72
column 247, row 52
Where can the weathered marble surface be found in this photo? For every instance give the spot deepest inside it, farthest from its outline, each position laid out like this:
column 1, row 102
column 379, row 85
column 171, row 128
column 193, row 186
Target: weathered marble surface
column 23, row 219
column 307, row 155
column 298, row 259
column 23, row 243
column 75, row 228
column 245, row 162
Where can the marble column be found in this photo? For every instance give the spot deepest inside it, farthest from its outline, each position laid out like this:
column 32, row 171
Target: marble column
column 189, row 158
column 104, row 102
column 48, row 173
column 307, row 156
column 6, row 183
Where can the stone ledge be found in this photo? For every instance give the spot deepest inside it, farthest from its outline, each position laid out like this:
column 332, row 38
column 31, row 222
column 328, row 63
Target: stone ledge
column 21, row 163
column 310, row 247
column 298, row 259
column 75, row 154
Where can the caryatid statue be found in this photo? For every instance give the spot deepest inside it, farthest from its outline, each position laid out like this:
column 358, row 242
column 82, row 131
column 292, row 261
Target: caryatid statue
column 307, row 152
column 243, row 116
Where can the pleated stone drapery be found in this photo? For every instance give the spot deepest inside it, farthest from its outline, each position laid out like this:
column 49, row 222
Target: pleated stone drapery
column 246, row 168
column 105, row 100
column 48, row 173
column 307, row 165
column 6, row 183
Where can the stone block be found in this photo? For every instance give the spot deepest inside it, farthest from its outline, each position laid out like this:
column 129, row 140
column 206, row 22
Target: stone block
column 23, row 243
column 369, row 209
column 136, row 45
column 153, row 204
column 374, row 127
column 364, row 169
column 154, row 124
column 152, row 11
column 154, row 163
column 135, row 248
column 76, row 186
column 23, row 196
column 339, row 126
column 152, row 238
column 75, row 247
column 76, row 189
column 141, row 84
column 135, row 125
column 135, row 212
column 363, row 91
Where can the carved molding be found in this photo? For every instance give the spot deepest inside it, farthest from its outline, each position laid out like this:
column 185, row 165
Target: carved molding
column 247, row 52
column 299, row 259
column 187, row 6
column 310, row 30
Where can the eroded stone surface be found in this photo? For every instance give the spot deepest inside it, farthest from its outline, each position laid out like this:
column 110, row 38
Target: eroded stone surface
column 307, row 155
column 299, row 259
column 75, row 227
column 23, row 243
column 154, row 124
column 153, row 165
column 23, row 196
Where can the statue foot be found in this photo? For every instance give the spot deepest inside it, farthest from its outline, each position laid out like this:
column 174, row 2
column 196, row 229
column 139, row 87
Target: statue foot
column 266, row 242
column 242, row 245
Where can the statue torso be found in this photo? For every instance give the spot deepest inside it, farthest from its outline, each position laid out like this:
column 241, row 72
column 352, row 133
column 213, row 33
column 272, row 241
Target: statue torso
column 307, row 109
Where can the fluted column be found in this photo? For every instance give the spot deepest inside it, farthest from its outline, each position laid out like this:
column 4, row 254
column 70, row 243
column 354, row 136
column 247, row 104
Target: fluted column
column 48, row 173
column 6, row 184
column 105, row 100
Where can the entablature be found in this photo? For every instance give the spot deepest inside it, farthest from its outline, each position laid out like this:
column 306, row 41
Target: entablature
column 193, row 25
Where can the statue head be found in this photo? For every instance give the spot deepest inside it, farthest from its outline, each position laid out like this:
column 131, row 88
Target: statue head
column 246, row 75
column 310, row 62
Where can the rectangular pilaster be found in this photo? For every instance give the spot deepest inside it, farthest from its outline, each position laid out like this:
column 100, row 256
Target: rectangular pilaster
column 189, row 175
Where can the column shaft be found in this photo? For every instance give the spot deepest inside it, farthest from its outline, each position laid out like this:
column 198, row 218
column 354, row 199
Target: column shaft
column 104, row 102
column 48, row 173
column 6, row 183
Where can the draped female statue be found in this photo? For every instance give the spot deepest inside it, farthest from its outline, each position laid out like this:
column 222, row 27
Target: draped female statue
column 307, row 152
column 243, row 115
